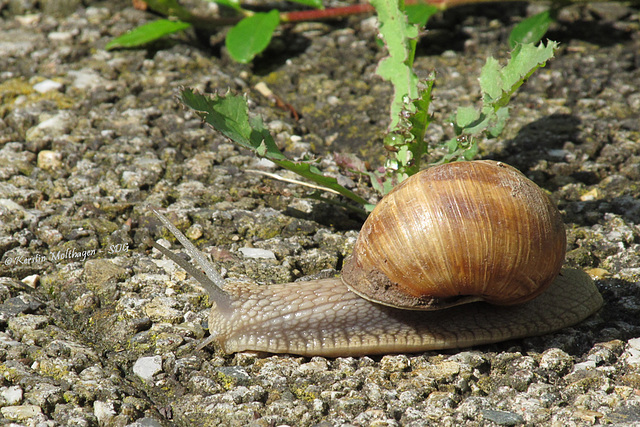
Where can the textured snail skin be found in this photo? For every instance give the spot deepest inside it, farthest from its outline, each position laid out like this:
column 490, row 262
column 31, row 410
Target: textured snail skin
column 324, row 318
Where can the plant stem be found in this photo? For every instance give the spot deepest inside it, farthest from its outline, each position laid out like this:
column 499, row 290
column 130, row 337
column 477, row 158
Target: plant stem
column 171, row 8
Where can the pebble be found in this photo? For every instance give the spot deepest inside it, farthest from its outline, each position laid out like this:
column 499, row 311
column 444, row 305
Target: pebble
column 12, row 395
column 145, row 422
column 147, row 367
column 31, row 280
column 49, row 160
column 57, row 125
column 233, row 375
column 502, row 418
column 47, row 85
column 257, row 253
column 194, row 232
column 86, row 79
column 103, row 411
column 633, row 352
column 60, row 36
column 28, row 322
column 20, row 412
column 589, row 364
column 20, row 304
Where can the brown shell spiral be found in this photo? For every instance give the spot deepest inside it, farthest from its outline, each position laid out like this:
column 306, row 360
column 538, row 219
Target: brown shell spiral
column 456, row 233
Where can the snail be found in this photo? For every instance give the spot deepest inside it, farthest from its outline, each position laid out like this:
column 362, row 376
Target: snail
column 458, row 255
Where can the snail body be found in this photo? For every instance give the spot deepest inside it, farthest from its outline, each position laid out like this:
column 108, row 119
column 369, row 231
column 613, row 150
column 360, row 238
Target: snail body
column 464, row 232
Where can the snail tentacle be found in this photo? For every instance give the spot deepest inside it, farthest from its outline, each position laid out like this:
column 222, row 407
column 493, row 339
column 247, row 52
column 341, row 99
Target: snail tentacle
column 211, row 281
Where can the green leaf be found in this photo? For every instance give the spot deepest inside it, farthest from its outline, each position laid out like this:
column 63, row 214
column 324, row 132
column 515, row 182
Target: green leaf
column 470, row 152
column 147, row 33
column 317, row 4
column 419, row 13
column 498, row 123
column 252, row 35
column 525, row 60
column 466, row 115
column 233, row 4
column 530, row 30
column 452, row 145
column 490, row 79
column 498, row 86
column 419, row 121
column 397, row 68
column 407, row 143
column 229, row 115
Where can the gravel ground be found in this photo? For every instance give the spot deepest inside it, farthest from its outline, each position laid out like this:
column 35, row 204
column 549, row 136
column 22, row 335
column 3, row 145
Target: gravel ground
column 96, row 329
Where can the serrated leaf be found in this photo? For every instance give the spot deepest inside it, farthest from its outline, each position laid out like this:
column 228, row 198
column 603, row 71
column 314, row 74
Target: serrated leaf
column 399, row 38
column 407, row 144
column 525, row 59
column 251, row 36
column 147, row 33
column 530, row 30
column 491, row 80
column 420, row 119
column 229, row 115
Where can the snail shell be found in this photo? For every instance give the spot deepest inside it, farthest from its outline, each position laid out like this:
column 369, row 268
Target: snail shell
column 458, row 233
column 482, row 231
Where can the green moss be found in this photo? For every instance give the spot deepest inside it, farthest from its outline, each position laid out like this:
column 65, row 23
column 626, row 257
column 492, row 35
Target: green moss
column 303, row 393
column 11, row 89
column 53, row 368
column 227, row 381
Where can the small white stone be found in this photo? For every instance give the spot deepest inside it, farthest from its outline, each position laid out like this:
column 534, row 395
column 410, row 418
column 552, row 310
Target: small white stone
column 194, row 232
column 147, row 367
column 13, row 395
column 47, row 86
column 49, row 160
column 634, row 344
column 20, row 412
column 31, row 281
column 333, row 100
column 103, row 411
column 29, row 19
column 10, row 205
column 633, row 352
column 264, row 163
column 57, row 125
column 583, row 366
column 257, row 253
column 60, row 36
column 86, row 79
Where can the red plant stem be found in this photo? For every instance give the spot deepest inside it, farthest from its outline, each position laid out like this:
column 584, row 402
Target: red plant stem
column 336, row 12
